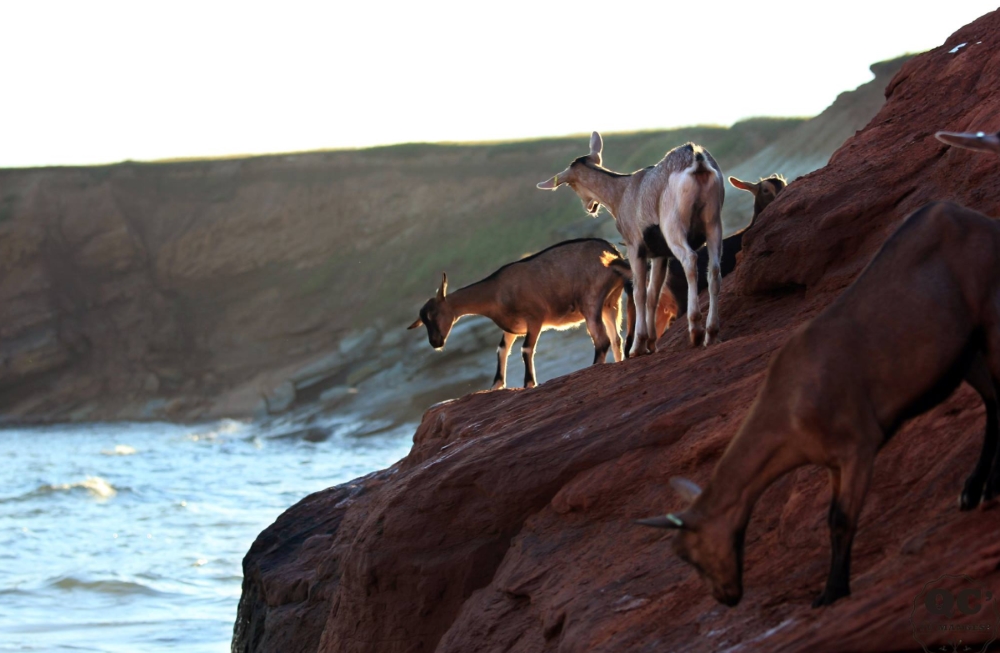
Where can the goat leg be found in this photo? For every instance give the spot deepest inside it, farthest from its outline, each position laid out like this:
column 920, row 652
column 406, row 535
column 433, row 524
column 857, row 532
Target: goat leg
column 639, row 288
column 689, row 260
column 528, row 355
column 610, row 316
column 714, row 246
column 850, row 485
column 980, row 379
column 503, row 351
column 657, row 274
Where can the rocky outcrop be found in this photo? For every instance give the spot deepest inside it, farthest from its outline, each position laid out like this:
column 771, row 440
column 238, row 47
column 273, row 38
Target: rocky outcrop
column 810, row 145
column 509, row 527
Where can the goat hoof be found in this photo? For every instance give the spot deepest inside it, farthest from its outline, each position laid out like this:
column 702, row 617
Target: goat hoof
column 971, row 495
column 498, row 386
column 829, row 596
column 991, row 491
column 697, row 337
column 712, row 336
column 968, row 501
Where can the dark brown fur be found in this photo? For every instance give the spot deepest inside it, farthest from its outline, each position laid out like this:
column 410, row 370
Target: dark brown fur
column 922, row 316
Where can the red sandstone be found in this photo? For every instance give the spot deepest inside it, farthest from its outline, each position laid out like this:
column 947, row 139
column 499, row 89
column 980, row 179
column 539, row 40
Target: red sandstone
column 509, row 525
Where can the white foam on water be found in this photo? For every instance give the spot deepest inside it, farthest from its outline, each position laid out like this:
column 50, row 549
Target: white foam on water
column 119, row 450
column 96, row 485
column 225, row 427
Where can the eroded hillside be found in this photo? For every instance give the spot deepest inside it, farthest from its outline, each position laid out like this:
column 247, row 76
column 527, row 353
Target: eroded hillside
column 235, row 287
column 192, row 288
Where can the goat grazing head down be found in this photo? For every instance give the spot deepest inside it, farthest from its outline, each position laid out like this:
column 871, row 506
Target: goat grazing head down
column 710, row 546
column 971, row 141
column 591, row 203
column 764, row 191
column 437, row 315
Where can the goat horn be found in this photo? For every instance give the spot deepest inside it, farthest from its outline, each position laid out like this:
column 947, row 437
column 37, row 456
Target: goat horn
column 670, row 521
column 971, row 140
column 443, row 290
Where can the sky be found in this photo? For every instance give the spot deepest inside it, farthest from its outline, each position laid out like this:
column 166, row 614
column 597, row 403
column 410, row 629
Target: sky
column 98, row 82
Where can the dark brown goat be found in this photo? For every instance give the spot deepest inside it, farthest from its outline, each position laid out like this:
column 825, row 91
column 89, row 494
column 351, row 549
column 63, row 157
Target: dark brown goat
column 674, row 302
column 572, row 282
column 922, row 316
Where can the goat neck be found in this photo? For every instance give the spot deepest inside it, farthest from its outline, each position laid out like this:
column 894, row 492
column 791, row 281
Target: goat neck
column 476, row 299
column 606, row 186
column 755, row 459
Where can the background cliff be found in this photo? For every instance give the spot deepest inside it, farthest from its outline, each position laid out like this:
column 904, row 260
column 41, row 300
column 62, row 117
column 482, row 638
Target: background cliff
column 182, row 279
column 509, row 525
column 193, row 289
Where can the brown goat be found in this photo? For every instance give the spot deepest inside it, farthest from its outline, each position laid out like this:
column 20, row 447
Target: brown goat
column 572, row 282
column 921, row 317
column 674, row 299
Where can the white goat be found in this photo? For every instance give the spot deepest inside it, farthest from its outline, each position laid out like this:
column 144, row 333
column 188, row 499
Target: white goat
column 665, row 210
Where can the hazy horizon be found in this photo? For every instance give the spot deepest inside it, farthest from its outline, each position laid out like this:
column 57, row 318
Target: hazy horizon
column 112, row 81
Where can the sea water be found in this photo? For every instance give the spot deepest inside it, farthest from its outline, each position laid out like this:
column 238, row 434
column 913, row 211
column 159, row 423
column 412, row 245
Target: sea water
column 130, row 537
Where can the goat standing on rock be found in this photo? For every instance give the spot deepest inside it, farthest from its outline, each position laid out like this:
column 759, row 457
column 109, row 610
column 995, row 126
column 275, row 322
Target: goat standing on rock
column 665, row 210
column 674, row 302
column 572, row 282
column 922, row 316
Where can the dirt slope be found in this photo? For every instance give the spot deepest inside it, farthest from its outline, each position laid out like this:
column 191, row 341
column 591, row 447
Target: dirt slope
column 508, row 527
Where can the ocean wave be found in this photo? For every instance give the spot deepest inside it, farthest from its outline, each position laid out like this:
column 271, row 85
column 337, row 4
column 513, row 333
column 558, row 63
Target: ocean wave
column 225, row 427
column 107, row 586
column 119, row 450
column 95, row 485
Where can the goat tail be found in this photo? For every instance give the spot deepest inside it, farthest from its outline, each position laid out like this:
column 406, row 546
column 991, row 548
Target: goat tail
column 630, row 312
column 706, row 175
column 622, row 268
column 700, row 163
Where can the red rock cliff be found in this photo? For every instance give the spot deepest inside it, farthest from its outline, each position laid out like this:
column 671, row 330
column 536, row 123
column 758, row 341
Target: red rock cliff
column 508, row 527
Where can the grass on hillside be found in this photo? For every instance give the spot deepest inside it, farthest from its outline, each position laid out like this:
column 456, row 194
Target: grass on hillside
column 507, row 232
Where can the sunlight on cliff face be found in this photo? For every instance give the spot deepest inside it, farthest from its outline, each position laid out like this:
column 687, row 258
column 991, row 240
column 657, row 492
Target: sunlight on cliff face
column 90, row 84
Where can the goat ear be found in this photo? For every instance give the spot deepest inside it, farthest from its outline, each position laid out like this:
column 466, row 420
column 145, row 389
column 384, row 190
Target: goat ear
column 550, row 184
column 443, row 290
column 744, row 185
column 688, row 490
column 596, row 144
column 670, row 521
column 415, row 324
